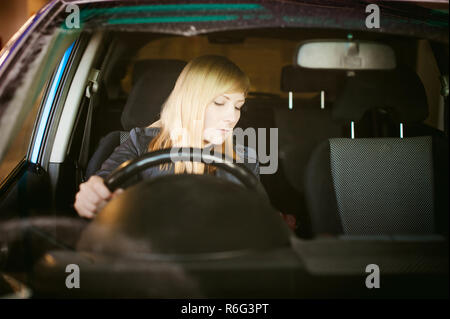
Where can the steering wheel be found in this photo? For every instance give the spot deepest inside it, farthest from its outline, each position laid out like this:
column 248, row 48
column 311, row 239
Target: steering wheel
column 135, row 166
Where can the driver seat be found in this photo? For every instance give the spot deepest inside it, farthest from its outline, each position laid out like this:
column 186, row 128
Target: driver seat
column 152, row 82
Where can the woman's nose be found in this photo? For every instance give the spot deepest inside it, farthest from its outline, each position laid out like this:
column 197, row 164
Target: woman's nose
column 230, row 114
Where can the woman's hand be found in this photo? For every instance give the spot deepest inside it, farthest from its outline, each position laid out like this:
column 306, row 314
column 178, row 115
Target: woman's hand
column 93, row 195
column 290, row 220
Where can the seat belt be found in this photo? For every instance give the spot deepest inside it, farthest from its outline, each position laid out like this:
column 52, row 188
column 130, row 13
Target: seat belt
column 91, row 89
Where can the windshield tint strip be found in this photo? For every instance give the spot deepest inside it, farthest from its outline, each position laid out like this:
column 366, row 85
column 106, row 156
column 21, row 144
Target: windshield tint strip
column 175, row 7
column 86, row 14
column 173, row 19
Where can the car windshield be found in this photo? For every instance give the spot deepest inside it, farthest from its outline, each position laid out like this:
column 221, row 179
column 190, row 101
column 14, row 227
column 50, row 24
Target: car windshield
column 349, row 141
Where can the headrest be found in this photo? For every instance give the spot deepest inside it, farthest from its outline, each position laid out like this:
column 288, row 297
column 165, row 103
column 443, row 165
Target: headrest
column 298, row 79
column 152, row 80
column 400, row 92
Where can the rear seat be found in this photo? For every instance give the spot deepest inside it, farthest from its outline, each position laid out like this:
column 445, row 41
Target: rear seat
column 379, row 101
column 259, row 113
column 309, row 122
column 300, row 129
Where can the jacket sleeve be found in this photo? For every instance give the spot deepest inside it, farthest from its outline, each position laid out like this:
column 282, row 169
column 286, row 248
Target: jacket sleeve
column 255, row 169
column 126, row 151
column 251, row 160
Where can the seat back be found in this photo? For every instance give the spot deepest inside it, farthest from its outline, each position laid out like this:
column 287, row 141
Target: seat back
column 372, row 186
column 303, row 80
column 302, row 124
column 152, row 80
column 106, row 146
column 383, row 186
column 306, row 124
column 300, row 131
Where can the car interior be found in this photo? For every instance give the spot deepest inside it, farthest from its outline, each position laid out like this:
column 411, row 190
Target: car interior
column 378, row 102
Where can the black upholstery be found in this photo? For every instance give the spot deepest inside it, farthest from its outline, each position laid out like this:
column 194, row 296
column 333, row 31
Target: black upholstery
column 259, row 113
column 319, row 193
column 300, row 131
column 306, row 125
column 441, row 173
column 380, row 186
column 298, row 79
column 399, row 91
column 374, row 186
column 106, row 146
column 152, row 80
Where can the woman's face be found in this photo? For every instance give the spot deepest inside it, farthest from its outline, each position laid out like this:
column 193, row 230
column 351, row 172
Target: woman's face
column 221, row 116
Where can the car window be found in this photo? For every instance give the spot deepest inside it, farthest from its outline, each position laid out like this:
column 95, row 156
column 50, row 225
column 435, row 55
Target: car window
column 20, row 141
column 19, row 146
column 23, row 86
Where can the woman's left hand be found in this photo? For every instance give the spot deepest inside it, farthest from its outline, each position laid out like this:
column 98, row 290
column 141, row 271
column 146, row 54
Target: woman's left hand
column 290, row 220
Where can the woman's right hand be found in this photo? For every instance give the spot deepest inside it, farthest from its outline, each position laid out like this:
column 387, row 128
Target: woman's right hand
column 92, row 196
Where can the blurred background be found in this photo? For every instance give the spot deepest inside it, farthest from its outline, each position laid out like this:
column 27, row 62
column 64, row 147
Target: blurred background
column 13, row 14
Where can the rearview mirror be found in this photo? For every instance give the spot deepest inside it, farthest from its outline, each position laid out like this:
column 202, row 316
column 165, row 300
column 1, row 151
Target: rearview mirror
column 346, row 55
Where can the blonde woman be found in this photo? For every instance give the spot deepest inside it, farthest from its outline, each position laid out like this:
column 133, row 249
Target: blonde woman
column 201, row 111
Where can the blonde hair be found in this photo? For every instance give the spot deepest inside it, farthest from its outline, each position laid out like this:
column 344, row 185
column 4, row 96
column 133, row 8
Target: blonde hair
column 182, row 116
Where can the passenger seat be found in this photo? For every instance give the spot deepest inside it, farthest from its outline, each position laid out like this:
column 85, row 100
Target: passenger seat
column 382, row 186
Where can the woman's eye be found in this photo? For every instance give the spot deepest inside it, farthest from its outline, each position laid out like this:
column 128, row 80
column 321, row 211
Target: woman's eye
column 217, row 103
